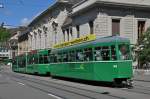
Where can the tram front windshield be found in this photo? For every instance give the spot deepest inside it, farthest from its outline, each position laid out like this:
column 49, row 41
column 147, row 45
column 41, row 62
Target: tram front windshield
column 124, row 52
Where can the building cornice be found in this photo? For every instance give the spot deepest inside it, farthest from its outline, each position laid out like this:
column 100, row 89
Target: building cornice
column 45, row 12
column 92, row 3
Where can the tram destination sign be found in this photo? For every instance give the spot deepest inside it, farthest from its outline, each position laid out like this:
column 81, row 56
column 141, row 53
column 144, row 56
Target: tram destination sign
column 76, row 41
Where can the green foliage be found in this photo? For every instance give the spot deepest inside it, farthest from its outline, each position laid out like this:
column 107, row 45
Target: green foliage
column 144, row 48
column 4, row 34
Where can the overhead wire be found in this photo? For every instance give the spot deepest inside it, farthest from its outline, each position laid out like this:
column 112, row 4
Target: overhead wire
column 21, row 3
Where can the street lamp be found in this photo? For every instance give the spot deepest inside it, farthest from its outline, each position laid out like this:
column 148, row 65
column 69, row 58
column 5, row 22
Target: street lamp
column 1, row 5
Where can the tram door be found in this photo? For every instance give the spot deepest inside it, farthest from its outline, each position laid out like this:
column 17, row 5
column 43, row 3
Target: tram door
column 114, row 58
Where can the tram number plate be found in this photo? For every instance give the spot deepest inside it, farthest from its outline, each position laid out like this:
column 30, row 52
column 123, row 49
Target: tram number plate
column 115, row 66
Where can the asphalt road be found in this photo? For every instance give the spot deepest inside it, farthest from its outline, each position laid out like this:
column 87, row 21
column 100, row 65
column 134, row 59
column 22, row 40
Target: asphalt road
column 22, row 86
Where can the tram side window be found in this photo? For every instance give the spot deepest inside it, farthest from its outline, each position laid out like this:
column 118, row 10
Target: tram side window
column 14, row 62
column 65, row 57
column 88, row 54
column 34, row 59
column 52, row 58
column 46, row 59
column 72, row 56
column 80, row 55
column 29, row 60
column 124, row 52
column 105, row 53
column 59, row 57
column 113, row 53
column 98, row 55
column 41, row 60
column 20, row 62
column 23, row 63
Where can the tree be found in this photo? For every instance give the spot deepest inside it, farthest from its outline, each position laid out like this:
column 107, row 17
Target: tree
column 4, row 34
column 143, row 48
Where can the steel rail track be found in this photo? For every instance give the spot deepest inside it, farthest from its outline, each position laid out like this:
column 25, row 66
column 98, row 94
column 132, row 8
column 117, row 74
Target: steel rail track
column 62, row 85
column 42, row 90
column 138, row 90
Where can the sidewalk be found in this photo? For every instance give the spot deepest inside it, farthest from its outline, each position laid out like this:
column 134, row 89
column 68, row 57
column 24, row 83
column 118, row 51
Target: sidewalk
column 142, row 75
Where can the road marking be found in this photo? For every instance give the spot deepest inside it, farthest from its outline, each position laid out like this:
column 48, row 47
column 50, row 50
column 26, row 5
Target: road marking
column 21, row 83
column 124, row 88
column 57, row 97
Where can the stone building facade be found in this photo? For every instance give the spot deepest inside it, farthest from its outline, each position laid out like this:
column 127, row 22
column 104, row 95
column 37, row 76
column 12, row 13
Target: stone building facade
column 127, row 18
column 13, row 41
column 69, row 19
column 46, row 28
column 23, row 42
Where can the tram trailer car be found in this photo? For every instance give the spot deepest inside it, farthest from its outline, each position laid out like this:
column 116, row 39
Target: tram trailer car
column 15, row 64
column 31, row 59
column 19, row 64
column 42, row 65
column 34, row 62
column 105, row 59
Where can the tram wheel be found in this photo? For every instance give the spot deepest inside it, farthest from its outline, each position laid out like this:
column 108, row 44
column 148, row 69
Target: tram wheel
column 129, row 84
column 117, row 83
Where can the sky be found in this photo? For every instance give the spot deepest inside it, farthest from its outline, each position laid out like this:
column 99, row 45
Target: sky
column 21, row 12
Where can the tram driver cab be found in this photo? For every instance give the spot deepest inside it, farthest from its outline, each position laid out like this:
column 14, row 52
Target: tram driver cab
column 124, row 52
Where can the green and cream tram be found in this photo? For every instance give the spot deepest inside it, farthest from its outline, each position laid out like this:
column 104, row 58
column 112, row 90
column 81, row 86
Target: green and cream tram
column 104, row 59
column 38, row 62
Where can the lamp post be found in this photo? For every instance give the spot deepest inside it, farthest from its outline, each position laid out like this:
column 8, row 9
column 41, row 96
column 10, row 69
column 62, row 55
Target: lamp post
column 1, row 5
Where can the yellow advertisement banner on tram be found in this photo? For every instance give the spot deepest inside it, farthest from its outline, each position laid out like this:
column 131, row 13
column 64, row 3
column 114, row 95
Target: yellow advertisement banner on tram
column 76, row 41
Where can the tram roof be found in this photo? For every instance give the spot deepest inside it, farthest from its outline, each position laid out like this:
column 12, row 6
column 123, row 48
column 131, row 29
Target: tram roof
column 44, row 51
column 109, row 39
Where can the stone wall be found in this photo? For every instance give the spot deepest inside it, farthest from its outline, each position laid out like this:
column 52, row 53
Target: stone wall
column 103, row 16
column 43, row 39
column 100, row 15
